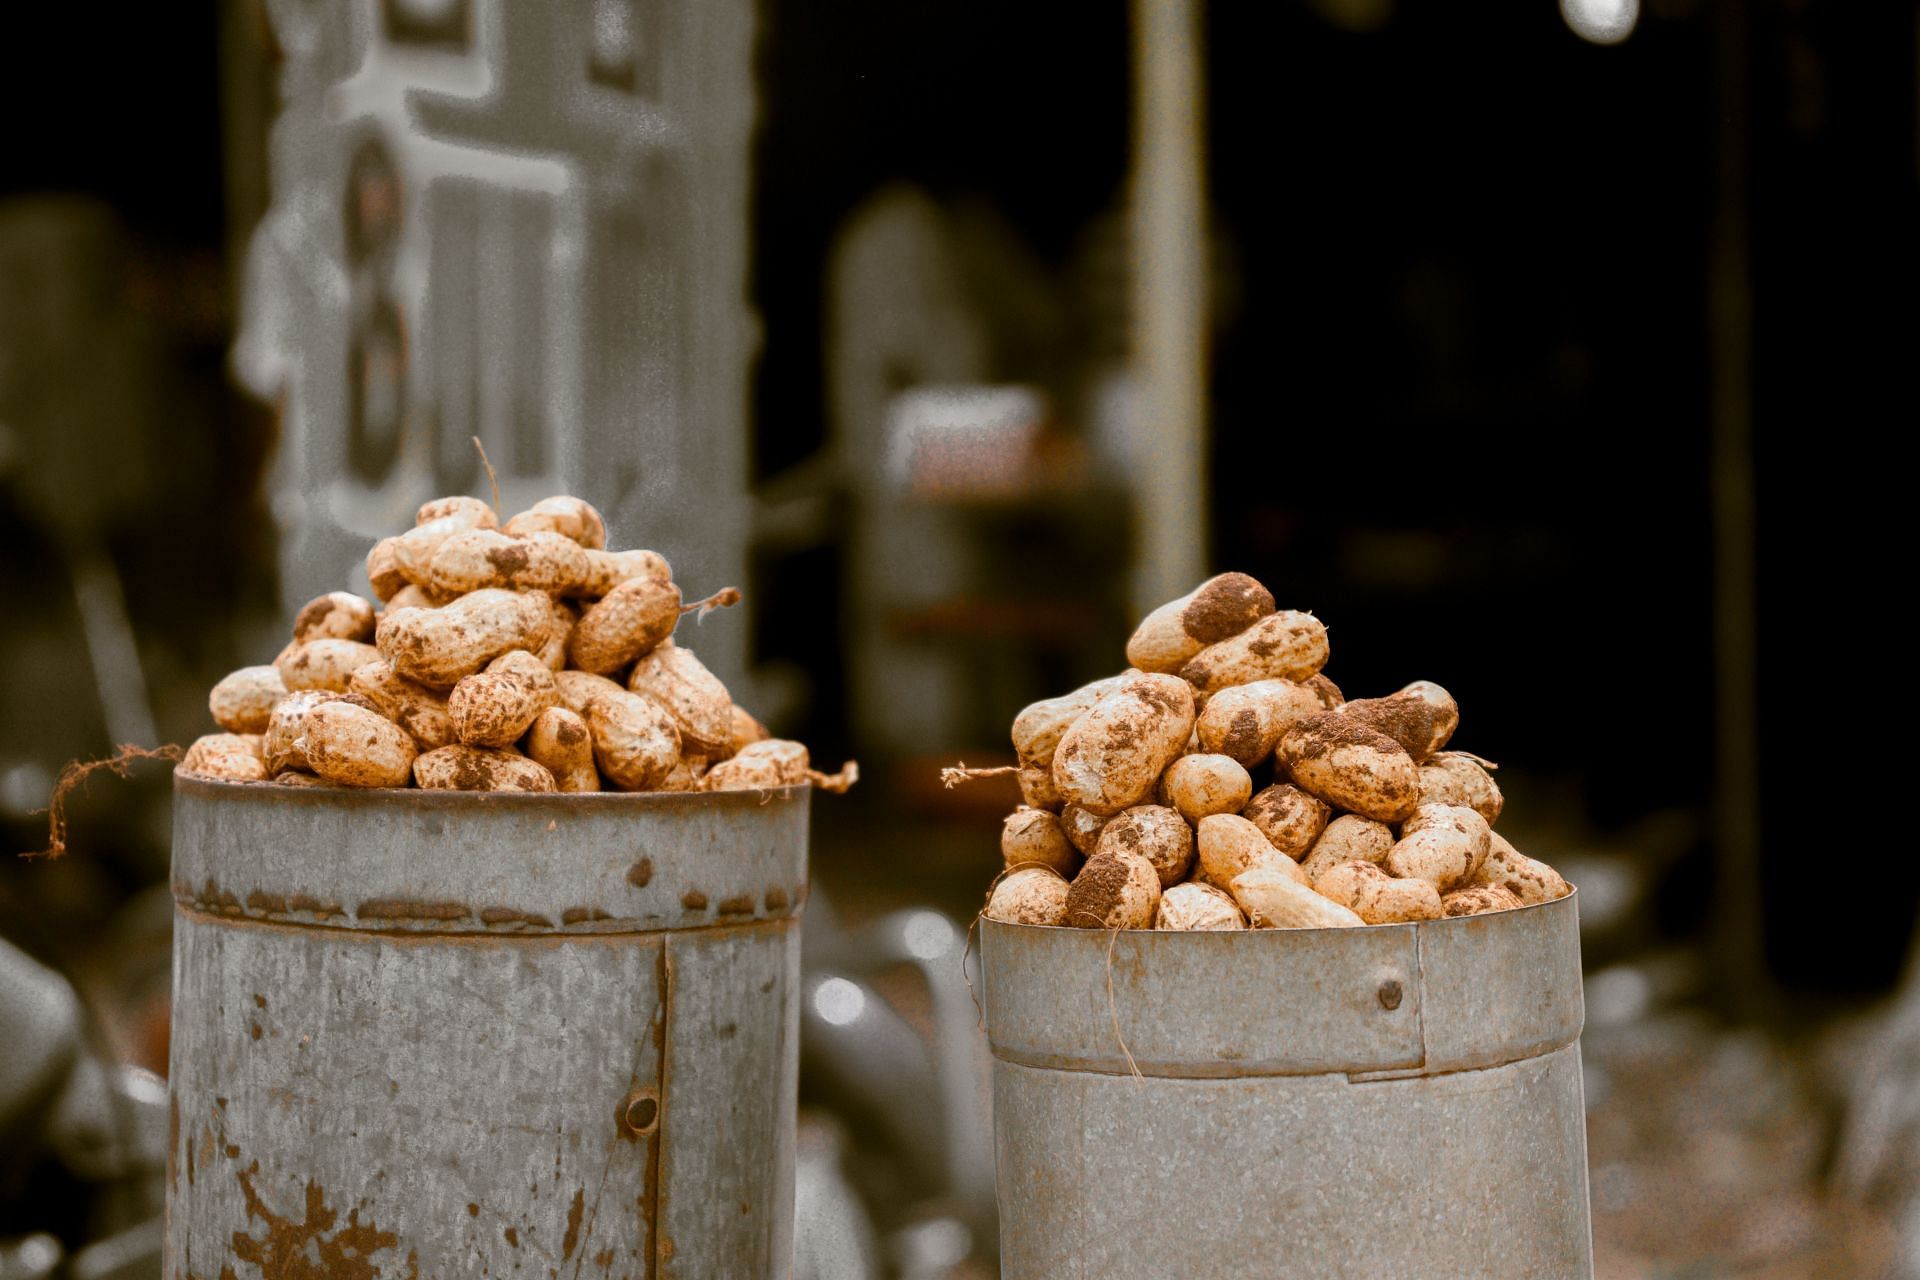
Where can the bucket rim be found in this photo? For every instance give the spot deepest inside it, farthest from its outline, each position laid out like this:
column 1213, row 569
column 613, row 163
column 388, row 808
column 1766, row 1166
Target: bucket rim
column 422, row 798
column 1364, row 930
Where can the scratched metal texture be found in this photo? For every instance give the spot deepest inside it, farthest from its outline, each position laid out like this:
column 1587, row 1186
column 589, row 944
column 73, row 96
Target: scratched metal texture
column 473, row 1036
column 1396, row 1101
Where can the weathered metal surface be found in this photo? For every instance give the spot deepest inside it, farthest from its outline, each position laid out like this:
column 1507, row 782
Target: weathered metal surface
column 404, row 1086
column 1389, row 1102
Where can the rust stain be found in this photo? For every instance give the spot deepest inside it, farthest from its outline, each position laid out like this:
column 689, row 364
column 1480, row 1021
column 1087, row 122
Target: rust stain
column 573, row 1224
column 259, row 1001
column 231, row 1151
column 640, row 874
column 189, row 1160
column 317, row 1247
column 776, row 899
column 317, row 906
column 739, row 905
column 270, row 902
column 253, row 1030
column 603, row 1259
column 694, row 900
column 507, row 915
column 214, row 900
column 511, row 1236
column 402, row 909
column 473, row 1210
column 580, row 915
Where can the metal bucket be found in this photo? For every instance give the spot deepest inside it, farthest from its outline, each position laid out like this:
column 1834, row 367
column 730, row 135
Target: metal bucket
column 1396, row 1101
column 440, row 1034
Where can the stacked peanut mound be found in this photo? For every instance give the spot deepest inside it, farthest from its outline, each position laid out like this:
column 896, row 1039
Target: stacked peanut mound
column 1359, row 816
column 523, row 657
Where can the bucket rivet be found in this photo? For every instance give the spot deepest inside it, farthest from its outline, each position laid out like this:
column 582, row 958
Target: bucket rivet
column 641, row 1113
column 1390, row 994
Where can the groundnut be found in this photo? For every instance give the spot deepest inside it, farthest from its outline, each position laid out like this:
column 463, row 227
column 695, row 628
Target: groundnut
column 1326, row 690
column 1038, row 728
column 1082, row 827
column 1274, row 900
column 1281, row 646
column 1215, row 610
column 1421, row 717
column 1156, row 833
column 230, row 757
column 560, row 743
column 1110, row 758
column 1350, row 766
column 688, row 774
column 1034, row 836
column 473, row 511
column 383, row 568
column 1452, row 817
column 337, row 615
column 1288, row 817
column 1528, row 880
column 701, row 708
column 1031, row 895
column 437, row 647
column 608, row 569
column 1200, row 786
column 1113, row 891
column 323, row 664
column 578, row 688
column 1247, row 721
column 414, row 707
column 760, row 766
column 624, row 625
column 1454, row 777
column 475, row 559
column 412, row 597
column 282, row 745
column 351, row 746
column 634, row 741
column 243, row 701
column 493, row 708
column 463, row 768
column 298, row 778
column 1377, row 897
column 414, row 550
column 1347, row 838
column 745, row 729
column 1441, row 855
column 570, row 517
column 1478, row 900
column 561, row 618
column 1229, row 845
column 1195, row 907
column 1037, row 790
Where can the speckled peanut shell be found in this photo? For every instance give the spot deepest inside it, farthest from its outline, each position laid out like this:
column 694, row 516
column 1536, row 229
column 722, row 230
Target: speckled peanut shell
column 1217, row 609
column 1195, row 907
column 1111, row 757
column 495, row 707
column 1154, row 832
column 1038, row 728
column 634, row 741
column 337, row 615
column 572, row 518
column 475, row 559
column 561, row 618
column 1453, row 777
column 411, row 597
column 775, row 762
column 701, row 708
column 284, row 744
column 1228, row 845
column 1348, row 837
column 608, row 569
column 231, row 757
column 578, row 688
column 743, row 730
column 1527, row 879
column 419, row 710
column 473, row 512
column 1113, row 891
column 1031, row 895
column 1478, row 900
column 1350, row 767
column 243, row 701
column 1200, row 786
column 560, row 742
column 299, row 778
column 1421, row 717
column 463, row 768
column 1440, row 855
column 1037, row 790
column 1288, row 817
column 1247, row 721
column 323, row 664
column 351, row 746
column 624, row 625
column 1281, row 646
column 1326, row 690
column 383, row 569
column 1034, row 836
column 1082, row 827
column 1377, row 897
column 414, row 550
column 1274, row 900
column 438, row 647
column 689, row 773
column 1452, row 817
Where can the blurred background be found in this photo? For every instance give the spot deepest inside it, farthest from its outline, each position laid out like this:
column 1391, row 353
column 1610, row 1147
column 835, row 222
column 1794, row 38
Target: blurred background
column 1553, row 352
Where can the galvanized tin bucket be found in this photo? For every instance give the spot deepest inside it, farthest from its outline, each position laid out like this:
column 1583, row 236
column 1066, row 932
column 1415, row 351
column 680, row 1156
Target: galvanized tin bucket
column 1396, row 1101
column 434, row 1034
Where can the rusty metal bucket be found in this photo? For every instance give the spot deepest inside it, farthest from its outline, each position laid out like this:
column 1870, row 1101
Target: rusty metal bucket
column 434, row 1034
column 1394, row 1102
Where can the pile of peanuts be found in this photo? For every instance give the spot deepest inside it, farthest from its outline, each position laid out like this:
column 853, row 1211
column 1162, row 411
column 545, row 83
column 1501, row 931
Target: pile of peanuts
column 515, row 657
column 1141, row 802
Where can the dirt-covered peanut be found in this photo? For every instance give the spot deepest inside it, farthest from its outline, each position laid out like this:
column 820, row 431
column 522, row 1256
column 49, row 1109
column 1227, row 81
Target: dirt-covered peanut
column 1350, row 767
column 561, row 618
column 1111, row 758
column 1031, row 895
column 578, row 688
column 1217, row 609
column 1348, row 838
column 1247, row 721
column 1228, row 845
column 281, row 744
column 495, row 707
column 760, row 766
column 1421, row 717
column 743, row 730
column 624, row 624
column 1195, row 907
column 351, row 746
column 323, row 664
column 1281, row 646
column 1377, row 897
column 1113, row 891
column 1441, row 855
column 1527, row 879
column 337, row 615
column 473, row 511
column 1038, row 728
column 414, row 550
column 413, row 597
column 689, row 773
column 1478, row 900
column 1083, row 827
column 421, row 711
column 438, row 647
column 572, row 518
column 230, row 757
column 634, row 741
column 1037, row 790
column 1326, row 690
column 560, row 742
column 1288, row 817
column 475, row 559
column 1453, row 817
column 608, row 569
column 299, row 778
column 383, row 569
column 243, row 701
column 1034, row 836
column 1156, row 833
column 1454, row 777
column 1274, row 900
column 700, row 706
column 463, row 768
column 1200, row 786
